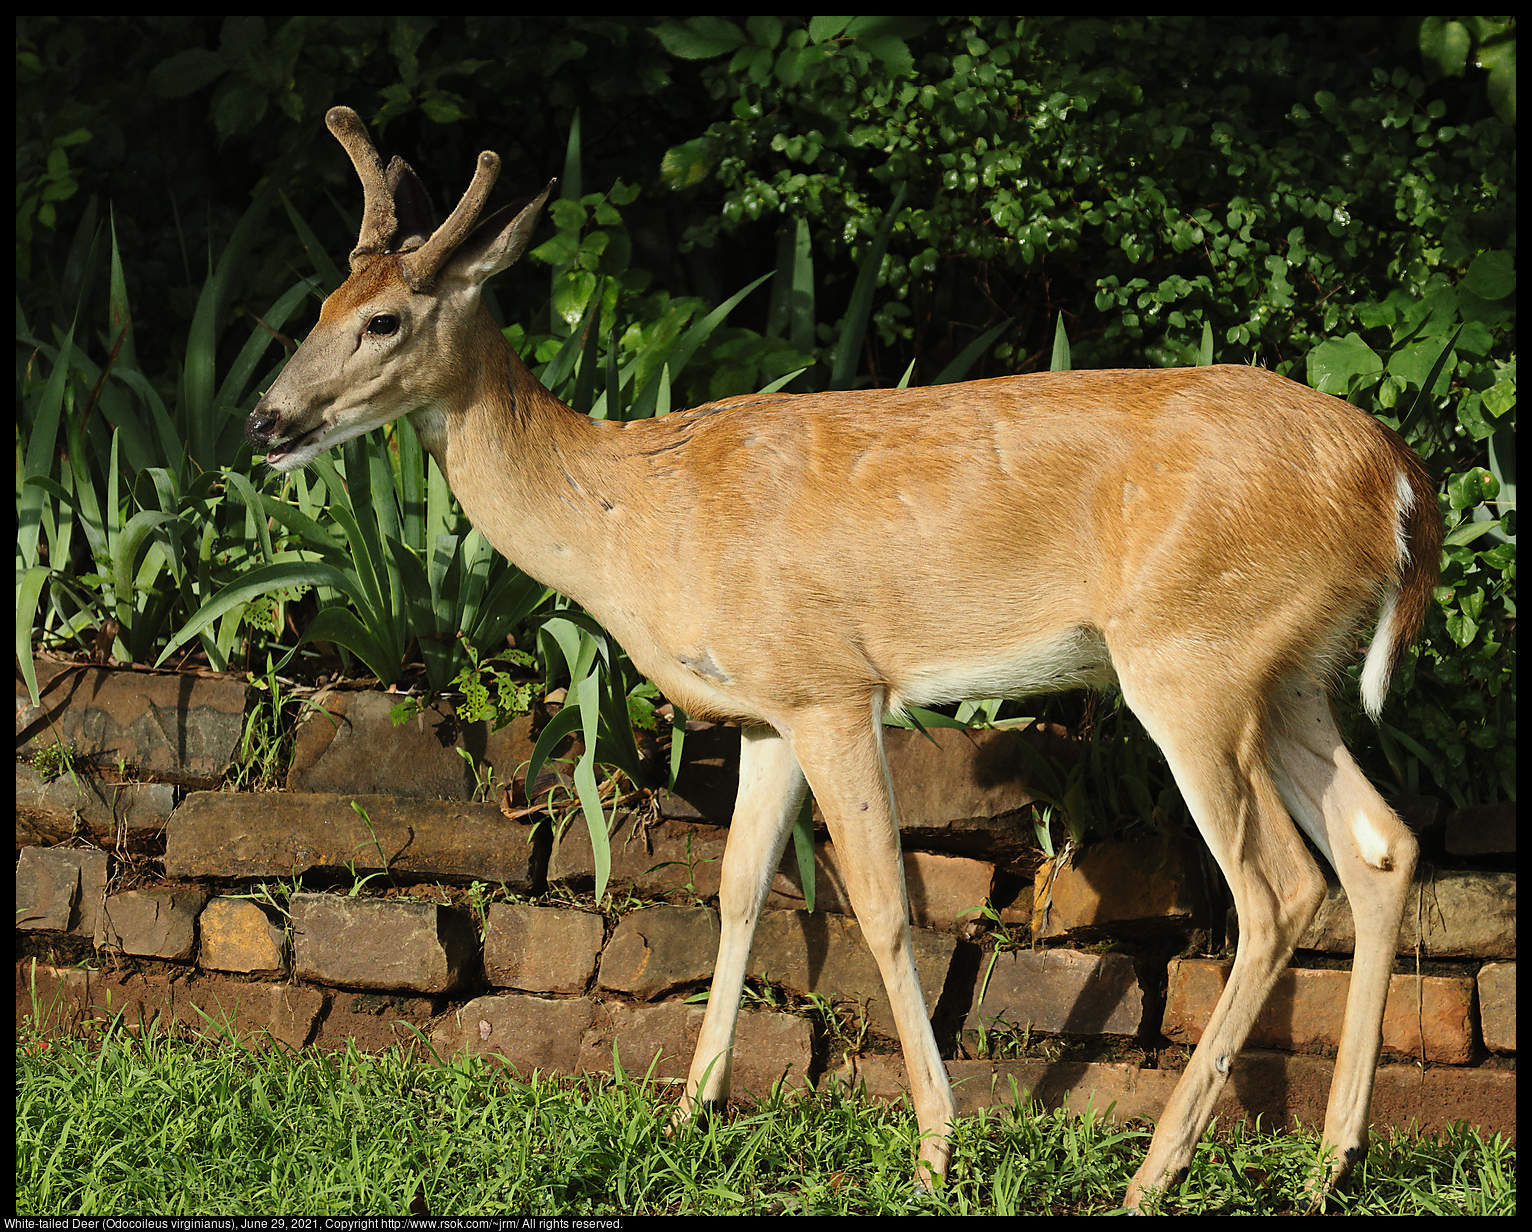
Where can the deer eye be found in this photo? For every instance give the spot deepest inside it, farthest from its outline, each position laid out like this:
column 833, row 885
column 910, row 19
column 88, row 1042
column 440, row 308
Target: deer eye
column 382, row 325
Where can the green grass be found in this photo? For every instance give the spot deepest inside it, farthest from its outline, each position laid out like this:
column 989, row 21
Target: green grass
column 158, row 1125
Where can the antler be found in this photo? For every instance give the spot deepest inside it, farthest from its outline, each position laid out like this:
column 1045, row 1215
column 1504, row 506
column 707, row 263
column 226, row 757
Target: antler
column 399, row 191
column 379, row 221
column 420, row 267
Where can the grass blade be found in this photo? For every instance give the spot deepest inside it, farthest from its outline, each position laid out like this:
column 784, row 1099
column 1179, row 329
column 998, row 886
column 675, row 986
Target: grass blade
column 588, row 698
column 1060, row 360
column 957, row 370
column 29, row 590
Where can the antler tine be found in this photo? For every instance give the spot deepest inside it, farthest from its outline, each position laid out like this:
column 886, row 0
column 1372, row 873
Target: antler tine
column 421, row 266
column 378, row 219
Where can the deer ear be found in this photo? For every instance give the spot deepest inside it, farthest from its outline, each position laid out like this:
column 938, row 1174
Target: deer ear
column 499, row 240
column 415, row 220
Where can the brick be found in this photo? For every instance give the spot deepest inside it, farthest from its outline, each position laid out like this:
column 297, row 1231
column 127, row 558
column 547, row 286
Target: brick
column 1062, row 992
column 293, row 1013
column 943, row 890
column 132, row 815
column 541, row 949
column 1466, row 914
column 60, row 889
column 771, row 1047
column 709, row 776
column 370, row 1021
column 52, row 999
column 816, row 953
column 1285, row 1092
column 650, row 1040
column 963, row 789
column 255, row 1013
column 678, row 855
column 1151, row 884
column 180, row 727
column 1497, row 1005
column 160, row 922
column 277, row 834
column 953, row 775
column 674, row 855
column 657, row 859
column 531, row 1033
column 237, row 935
column 1306, row 1010
column 1481, row 829
column 353, row 745
column 1079, row 1087
column 659, row 949
column 382, row 944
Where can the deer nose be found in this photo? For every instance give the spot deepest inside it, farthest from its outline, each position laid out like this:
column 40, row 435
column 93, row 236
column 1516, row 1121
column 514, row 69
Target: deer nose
column 260, row 426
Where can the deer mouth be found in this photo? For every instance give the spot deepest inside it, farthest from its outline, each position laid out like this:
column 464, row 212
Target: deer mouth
column 275, row 457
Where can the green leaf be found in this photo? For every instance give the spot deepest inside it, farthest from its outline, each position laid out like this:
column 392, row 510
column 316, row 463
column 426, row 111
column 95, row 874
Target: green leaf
column 957, row 370
column 619, row 747
column 557, row 728
column 126, row 548
column 258, row 582
column 46, row 420
column 700, row 38
column 588, row 699
column 1429, row 383
column 1491, row 276
column 685, row 165
column 1444, row 46
column 1414, row 363
column 822, row 28
column 919, row 718
column 29, row 589
column 186, row 72
column 1468, row 531
column 341, row 626
column 686, row 346
column 803, row 849
column 1205, row 352
column 767, row 31
column 1461, row 628
column 1472, row 488
column 1335, row 363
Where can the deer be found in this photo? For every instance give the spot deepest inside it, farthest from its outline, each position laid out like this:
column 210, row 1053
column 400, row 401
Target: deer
column 1212, row 542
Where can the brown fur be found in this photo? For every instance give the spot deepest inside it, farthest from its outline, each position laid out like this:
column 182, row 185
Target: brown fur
column 1212, row 539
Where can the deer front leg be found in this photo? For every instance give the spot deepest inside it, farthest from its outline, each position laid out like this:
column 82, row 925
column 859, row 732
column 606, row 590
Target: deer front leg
column 842, row 755
column 771, row 791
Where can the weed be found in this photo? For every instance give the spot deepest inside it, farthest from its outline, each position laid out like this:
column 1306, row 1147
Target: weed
column 52, row 760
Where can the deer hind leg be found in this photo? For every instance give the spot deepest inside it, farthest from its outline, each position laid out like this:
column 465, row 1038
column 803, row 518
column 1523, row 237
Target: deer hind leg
column 1218, row 754
column 771, row 791
column 1374, row 856
column 842, row 754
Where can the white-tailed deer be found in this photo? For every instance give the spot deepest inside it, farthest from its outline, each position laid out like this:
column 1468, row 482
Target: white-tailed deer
column 1210, row 540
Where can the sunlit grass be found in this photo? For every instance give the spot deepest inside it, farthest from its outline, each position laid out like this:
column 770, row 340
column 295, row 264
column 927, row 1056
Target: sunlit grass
column 158, row 1125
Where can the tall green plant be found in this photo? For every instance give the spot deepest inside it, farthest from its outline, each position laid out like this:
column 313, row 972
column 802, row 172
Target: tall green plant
column 392, row 560
column 114, row 476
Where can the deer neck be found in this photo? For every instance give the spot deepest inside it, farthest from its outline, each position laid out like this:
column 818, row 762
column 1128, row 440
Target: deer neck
column 533, row 475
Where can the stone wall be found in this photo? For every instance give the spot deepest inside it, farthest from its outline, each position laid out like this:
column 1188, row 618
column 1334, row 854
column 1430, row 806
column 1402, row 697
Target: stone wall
column 381, row 898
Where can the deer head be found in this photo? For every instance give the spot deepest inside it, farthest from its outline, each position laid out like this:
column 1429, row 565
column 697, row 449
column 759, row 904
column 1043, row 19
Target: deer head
column 401, row 335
